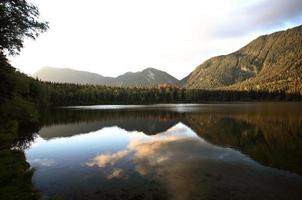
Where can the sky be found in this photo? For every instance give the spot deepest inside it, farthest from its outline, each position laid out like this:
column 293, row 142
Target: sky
column 117, row 36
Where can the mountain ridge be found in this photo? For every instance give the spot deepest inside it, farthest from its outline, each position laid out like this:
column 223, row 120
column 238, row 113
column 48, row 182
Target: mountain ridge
column 146, row 77
column 270, row 62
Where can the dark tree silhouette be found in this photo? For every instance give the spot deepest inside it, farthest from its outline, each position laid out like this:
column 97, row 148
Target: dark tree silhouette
column 18, row 20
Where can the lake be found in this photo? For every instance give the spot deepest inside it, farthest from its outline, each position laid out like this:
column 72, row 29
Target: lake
column 181, row 151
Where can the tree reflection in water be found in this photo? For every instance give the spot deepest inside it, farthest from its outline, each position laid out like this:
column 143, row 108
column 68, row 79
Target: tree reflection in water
column 173, row 153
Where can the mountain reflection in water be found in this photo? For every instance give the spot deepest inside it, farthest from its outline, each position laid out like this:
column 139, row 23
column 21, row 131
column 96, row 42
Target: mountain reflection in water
column 232, row 151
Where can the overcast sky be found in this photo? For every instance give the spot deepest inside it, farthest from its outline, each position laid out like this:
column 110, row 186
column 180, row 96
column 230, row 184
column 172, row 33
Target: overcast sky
column 111, row 37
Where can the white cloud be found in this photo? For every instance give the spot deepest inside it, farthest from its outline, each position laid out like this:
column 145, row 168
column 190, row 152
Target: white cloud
column 108, row 159
column 113, row 37
column 115, row 173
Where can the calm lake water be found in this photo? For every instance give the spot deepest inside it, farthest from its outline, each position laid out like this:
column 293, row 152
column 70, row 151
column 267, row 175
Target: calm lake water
column 216, row 151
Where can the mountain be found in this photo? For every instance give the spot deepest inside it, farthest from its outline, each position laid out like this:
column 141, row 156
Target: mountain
column 65, row 75
column 147, row 77
column 183, row 81
column 271, row 62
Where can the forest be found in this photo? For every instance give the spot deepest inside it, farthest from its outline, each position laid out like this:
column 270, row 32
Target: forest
column 22, row 98
column 18, row 88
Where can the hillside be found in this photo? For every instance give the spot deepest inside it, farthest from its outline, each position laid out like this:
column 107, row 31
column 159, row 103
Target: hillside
column 65, row 75
column 184, row 80
column 147, row 77
column 271, row 62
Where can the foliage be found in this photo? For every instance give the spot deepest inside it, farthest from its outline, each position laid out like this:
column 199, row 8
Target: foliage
column 74, row 94
column 20, row 97
column 18, row 19
column 27, row 95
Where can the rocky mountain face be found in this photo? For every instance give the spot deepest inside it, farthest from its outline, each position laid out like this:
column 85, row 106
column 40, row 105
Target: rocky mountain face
column 147, row 77
column 271, row 62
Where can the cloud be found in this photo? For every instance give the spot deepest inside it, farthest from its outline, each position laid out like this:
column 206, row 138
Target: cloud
column 115, row 173
column 139, row 146
column 142, row 146
column 113, row 37
column 269, row 12
column 256, row 16
column 183, row 165
column 108, row 159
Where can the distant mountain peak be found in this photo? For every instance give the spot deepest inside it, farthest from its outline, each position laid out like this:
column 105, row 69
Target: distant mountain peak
column 150, row 69
column 151, row 74
column 146, row 77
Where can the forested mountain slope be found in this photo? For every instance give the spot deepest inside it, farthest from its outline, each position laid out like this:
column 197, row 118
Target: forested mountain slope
column 271, row 62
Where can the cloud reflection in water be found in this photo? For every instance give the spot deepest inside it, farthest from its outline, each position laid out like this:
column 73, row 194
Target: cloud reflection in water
column 176, row 163
column 178, row 144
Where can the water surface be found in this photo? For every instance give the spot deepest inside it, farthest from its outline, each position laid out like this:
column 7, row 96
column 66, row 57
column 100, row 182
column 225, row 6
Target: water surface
column 218, row 151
